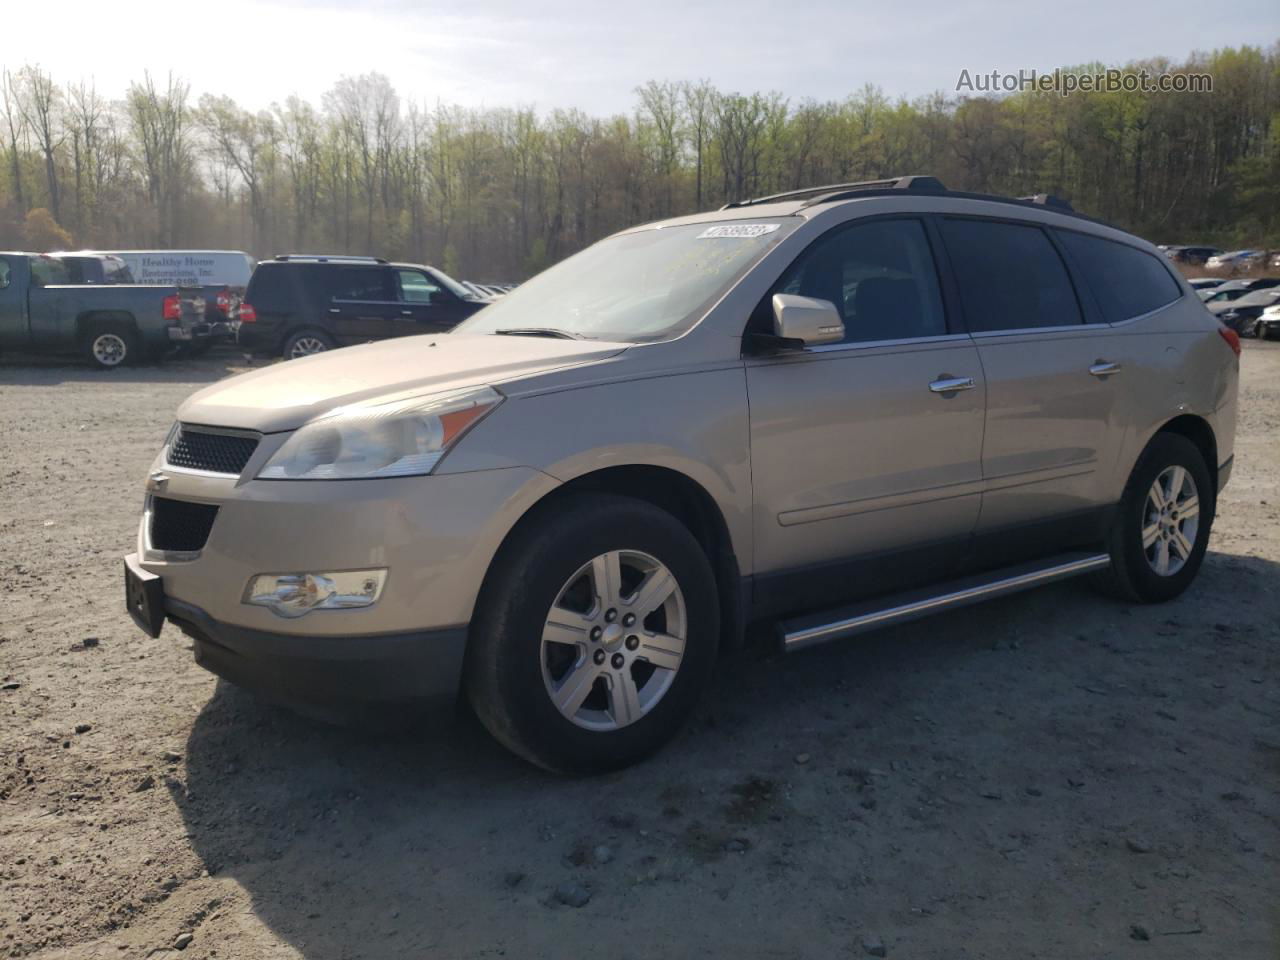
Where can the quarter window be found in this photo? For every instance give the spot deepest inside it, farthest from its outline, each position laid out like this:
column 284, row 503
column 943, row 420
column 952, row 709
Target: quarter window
column 1010, row 276
column 879, row 274
column 1125, row 281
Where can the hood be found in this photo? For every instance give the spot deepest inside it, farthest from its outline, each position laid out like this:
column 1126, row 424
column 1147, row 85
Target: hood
column 288, row 394
column 1222, row 306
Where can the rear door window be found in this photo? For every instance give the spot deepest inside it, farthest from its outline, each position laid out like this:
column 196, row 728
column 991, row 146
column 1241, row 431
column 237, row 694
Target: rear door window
column 360, row 283
column 1010, row 276
column 1125, row 281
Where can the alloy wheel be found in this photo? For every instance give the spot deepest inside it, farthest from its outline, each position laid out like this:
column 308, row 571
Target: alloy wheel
column 1171, row 520
column 306, row 346
column 613, row 640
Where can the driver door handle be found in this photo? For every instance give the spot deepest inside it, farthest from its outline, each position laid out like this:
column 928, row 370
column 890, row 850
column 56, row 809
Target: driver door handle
column 1104, row 368
column 951, row 384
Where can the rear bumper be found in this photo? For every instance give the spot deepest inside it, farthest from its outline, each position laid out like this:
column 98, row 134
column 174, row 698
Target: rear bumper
column 327, row 670
column 258, row 337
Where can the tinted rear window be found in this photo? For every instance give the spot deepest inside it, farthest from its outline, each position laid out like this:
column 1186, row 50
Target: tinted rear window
column 359, row 283
column 1010, row 276
column 1125, row 281
column 271, row 289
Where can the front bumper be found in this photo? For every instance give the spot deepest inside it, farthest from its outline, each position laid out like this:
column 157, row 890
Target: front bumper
column 382, row 668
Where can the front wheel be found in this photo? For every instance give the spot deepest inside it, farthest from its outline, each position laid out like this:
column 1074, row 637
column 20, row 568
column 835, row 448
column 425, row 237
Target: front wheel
column 595, row 633
column 1162, row 529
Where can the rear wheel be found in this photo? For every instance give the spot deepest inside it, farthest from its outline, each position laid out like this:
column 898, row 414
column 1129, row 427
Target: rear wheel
column 1162, row 531
column 595, row 634
column 108, row 345
column 305, row 343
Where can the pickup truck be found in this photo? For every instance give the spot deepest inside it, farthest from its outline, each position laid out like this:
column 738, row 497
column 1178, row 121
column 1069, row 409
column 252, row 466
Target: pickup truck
column 41, row 311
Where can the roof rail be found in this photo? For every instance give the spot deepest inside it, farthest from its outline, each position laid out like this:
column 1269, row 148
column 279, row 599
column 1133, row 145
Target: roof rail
column 1048, row 200
column 326, row 257
column 833, row 191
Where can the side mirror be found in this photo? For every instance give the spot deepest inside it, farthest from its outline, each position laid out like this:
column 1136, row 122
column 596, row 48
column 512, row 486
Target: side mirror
column 807, row 320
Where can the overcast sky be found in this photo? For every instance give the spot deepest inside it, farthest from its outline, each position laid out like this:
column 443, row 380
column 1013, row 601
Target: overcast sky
column 593, row 55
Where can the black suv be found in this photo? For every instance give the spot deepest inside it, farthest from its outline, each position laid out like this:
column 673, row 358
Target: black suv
column 298, row 305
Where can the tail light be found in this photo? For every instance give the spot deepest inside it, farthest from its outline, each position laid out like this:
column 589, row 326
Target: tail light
column 247, row 314
column 173, row 307
column 1232, row 338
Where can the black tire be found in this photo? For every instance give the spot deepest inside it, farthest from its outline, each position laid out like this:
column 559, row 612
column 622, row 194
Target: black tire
column 297, row 337
column 504, row 674
column 1131, row 575
column 109, row 344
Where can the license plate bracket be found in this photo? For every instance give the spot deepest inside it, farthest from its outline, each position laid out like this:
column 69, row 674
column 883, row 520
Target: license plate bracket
column 143, row 596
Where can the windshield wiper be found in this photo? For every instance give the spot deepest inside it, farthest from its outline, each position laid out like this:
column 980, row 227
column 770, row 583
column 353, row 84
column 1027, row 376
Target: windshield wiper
column 539, row 332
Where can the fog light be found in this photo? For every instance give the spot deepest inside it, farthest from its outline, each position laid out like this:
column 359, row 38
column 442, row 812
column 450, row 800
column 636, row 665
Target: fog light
column 295, row 594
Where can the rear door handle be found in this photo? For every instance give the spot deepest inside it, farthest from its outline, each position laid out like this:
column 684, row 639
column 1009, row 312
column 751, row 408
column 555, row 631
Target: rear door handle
column 951, row 384
column 1104, row 368
column 406, row 313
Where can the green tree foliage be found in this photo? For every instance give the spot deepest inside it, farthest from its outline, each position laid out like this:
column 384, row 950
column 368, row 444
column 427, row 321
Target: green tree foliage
column 496, row 194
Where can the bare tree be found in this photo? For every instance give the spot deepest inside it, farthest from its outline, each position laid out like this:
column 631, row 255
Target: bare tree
column 41, row 105
column 15, row 126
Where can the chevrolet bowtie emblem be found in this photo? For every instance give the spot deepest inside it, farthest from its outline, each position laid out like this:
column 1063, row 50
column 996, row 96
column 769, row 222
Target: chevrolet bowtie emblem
column 156, row 482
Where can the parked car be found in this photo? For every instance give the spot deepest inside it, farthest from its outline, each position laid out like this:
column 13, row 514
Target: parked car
column 1242, row 314
column 1268, row 325
column 223, row 276
column 41, row 311
column 89, row 268
column 795, row 409
column 1191, row 255
column 298, row 305
column 1235, row 261
column 1199, row 284
column 1274, row 262
column 1235, row 289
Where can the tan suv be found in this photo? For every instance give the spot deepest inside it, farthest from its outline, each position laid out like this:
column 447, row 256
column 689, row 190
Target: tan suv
column 834, row 410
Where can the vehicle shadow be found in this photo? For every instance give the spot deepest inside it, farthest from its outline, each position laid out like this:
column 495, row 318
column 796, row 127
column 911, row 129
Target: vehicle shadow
column 958, row 771
column 45, row 371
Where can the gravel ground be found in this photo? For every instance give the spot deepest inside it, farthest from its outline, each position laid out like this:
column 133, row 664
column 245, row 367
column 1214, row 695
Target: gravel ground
column 1050, row 775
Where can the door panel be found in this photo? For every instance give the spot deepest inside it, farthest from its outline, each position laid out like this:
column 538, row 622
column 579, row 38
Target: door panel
column 360, row 320
column 1049, row 420
column 1051, row 426
column 852, row 453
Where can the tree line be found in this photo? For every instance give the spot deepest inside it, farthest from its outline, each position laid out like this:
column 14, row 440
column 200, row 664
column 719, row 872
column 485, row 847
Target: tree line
column 498, row 194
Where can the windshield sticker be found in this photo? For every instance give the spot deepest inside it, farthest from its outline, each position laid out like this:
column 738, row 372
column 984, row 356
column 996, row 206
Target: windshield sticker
column 738, row 231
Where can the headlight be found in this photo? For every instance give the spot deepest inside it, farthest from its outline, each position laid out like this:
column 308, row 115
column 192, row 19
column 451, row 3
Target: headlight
column 402, row 439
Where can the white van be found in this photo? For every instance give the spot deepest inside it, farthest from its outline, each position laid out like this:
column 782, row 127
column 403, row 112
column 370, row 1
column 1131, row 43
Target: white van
column 204, row 268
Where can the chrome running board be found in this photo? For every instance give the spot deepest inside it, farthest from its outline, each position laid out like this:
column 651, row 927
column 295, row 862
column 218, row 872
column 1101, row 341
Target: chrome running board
column 809, row 631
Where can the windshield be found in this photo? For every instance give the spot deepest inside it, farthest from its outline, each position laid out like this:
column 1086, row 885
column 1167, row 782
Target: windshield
column 646, row 285
column 453, row 285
